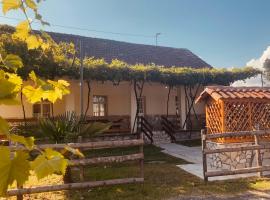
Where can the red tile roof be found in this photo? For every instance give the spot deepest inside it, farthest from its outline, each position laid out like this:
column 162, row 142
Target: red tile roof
column 227, row 92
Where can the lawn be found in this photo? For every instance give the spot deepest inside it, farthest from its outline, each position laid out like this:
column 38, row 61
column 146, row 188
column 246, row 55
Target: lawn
column 163, row 179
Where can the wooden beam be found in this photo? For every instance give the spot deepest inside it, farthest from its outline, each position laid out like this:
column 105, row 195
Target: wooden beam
column 234, row 149
column 238, row 171
column 238, row 134
column 89, row 145
column 72, row 186
column 109, row 159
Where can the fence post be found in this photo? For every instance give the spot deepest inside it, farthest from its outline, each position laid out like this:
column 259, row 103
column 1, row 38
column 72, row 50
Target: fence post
column 258, row 155
column 140, row 133
column 204, row 158
column 19, row 196
column 81, row 168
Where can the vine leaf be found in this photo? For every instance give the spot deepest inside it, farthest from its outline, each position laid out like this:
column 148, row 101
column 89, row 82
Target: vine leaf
column 22, row 30
column 10, row 5
column 4, row 127
column 13, row 169
column 31, row 4
column 10, row 85
column 73, row 151
column 50, row 90
column 28, row 142
column 49, row 162
column 13, row 62
column 33, row 42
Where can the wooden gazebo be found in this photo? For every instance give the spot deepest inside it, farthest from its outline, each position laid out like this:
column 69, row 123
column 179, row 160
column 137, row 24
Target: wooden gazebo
column 233, row 109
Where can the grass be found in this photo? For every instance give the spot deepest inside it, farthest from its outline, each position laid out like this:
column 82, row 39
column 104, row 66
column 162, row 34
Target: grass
column 191, row 143
column 163, row 179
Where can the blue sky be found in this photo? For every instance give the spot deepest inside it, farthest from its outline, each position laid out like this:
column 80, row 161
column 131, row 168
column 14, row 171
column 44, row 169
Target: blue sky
column 224, row 33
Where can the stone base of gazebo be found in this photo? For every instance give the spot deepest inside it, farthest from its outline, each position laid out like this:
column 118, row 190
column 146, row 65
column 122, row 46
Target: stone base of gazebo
column 235, row 160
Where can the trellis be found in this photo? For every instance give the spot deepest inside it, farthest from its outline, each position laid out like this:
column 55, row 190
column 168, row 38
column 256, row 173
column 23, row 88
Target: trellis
column 234, row 109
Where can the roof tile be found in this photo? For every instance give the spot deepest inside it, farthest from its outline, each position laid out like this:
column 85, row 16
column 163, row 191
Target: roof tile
column 227, row 92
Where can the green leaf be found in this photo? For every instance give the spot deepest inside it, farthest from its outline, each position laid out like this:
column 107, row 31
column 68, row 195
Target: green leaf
column 10, row 5
column 4, row 127
column 13, row 62
column 28, row 142
column 13, row 168
column 94, row 128
column 49, row 162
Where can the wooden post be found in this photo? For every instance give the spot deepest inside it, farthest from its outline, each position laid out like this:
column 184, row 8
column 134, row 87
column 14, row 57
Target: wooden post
column 204, row 156
column 140, row 133
column 81, row 167
column 258, row 155
column 19, row 196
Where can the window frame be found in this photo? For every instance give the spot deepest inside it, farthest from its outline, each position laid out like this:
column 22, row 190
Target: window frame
column 99, row 103
column 41, row 108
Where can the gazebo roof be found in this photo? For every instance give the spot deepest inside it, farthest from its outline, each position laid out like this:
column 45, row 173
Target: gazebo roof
column 228, row 92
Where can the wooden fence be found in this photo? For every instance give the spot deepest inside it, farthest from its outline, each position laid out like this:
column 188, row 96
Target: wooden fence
column 256, row 146
column 19, row 192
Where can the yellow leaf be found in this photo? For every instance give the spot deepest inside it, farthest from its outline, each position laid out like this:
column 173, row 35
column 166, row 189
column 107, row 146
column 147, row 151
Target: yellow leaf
column 10, row 85
column 32, row 42
column 13, row 169
column 49, row 162
column 28, row 142
column 10, row 5
column 4, row 127
column 32, row 94
column 31, row 4
column 22, row 30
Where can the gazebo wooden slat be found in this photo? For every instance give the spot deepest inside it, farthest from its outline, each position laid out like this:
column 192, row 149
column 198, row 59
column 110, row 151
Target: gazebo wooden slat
column 234, row 109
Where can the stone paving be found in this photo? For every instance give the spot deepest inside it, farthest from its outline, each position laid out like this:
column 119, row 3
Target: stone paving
column 194, row 156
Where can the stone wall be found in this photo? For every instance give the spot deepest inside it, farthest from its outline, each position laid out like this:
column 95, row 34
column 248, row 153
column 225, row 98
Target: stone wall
column 234, row 160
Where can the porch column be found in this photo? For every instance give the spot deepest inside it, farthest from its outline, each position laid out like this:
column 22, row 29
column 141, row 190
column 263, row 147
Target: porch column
column 182, row 106
column 133, row 108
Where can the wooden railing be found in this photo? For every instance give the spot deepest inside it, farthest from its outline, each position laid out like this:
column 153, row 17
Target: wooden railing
column 89, row 161
column 168, row 128
column 256, row 146
column 146, row 128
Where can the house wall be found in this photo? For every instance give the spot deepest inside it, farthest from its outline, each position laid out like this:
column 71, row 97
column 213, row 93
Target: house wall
column 118, row 97
column 120, row 100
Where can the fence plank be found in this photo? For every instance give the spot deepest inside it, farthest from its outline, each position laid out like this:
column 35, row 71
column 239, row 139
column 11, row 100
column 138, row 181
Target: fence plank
column 233, row 149
column 238, row 134
column 72, row 186
column 89, row 145
column 108, row 159
column 237, row 171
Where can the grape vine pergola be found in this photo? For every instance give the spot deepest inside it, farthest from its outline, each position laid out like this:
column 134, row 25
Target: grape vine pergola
column 116, row 71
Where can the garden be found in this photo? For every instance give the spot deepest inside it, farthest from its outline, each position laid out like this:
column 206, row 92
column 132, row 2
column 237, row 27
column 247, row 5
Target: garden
column 55, row 158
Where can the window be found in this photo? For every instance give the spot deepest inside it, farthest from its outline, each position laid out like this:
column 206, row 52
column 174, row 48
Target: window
column 99, row 105
column 141, row 104
column 42, row 109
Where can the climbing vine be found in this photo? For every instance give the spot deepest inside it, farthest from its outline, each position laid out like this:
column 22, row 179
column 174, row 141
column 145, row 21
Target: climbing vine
column 60, row 60
column 15, row 165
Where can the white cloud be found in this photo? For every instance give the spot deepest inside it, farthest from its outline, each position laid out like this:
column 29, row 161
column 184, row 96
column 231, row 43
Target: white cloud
column 256, row 63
